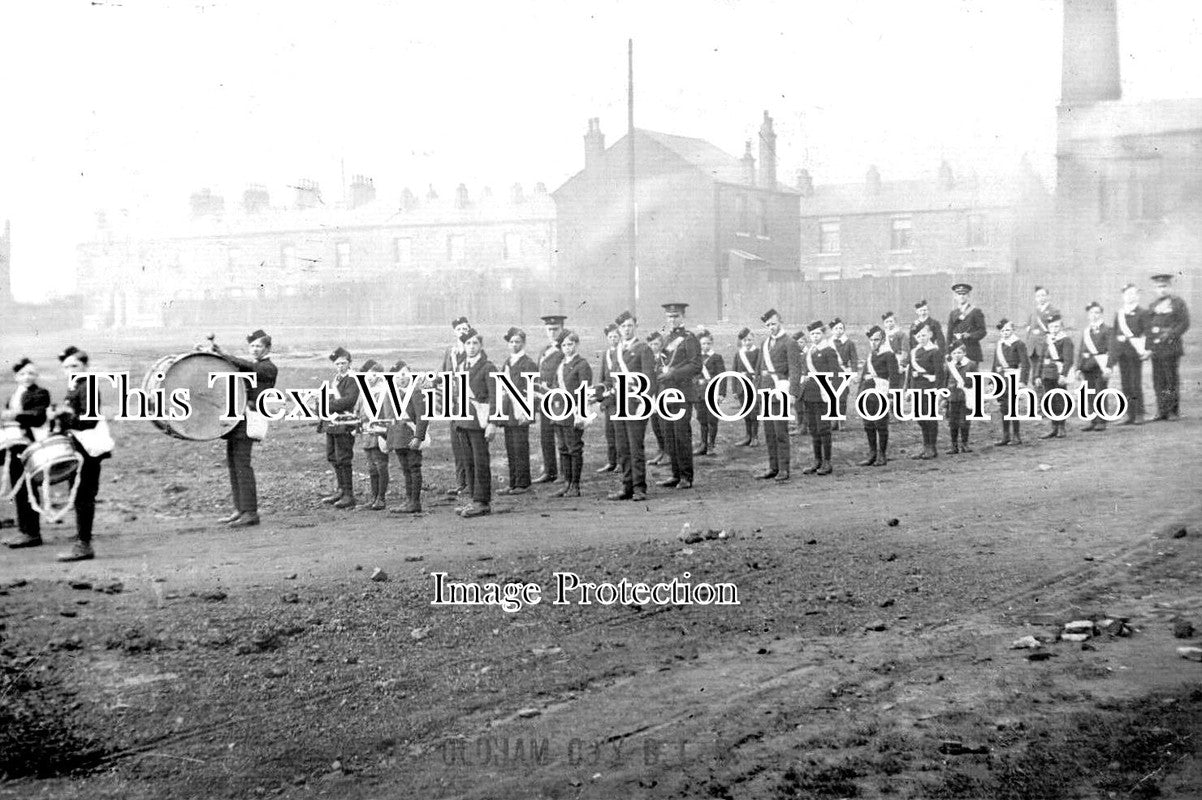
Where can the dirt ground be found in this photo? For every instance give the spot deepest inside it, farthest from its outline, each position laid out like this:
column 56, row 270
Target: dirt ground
column 870, row 655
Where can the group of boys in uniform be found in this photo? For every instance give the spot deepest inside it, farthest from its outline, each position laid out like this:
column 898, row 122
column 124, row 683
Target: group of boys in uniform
column 928, row 356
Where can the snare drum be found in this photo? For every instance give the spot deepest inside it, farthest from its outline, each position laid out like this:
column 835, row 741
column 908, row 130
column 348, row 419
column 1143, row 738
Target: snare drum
column 53, row 459
column 12, row 435
column 191, row 371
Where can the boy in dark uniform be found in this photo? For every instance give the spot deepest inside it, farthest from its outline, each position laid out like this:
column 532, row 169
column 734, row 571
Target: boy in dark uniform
column 746, row 362
column 899, row 342
column 374, row 444
column 515, row 425
column 407, row 436
column 966, row 323
column 819, row 358
column 682, row 363
column 1010, row 358
column 605, row 396
column 572, row 373
column 879, row 372
column 780, row 368
column 475, row 433
column 711, row 367
column 959, row 365
column 340, row 437
column 632, row 356
column 238, row 444
column 655, row 342
column 922, row 316
column 452, row 357
column 548, row 362
column 1037, row 328
column 69, row 417
column 845, row 348
column 1128, row 350
column 1055, row 360
column 1093, row 365
column 926, row 372
column 27, row 408
column 1168, row 320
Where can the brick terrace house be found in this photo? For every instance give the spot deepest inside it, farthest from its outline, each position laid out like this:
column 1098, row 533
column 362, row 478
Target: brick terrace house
column 708, row 224
column 920, row 227
column 364, row 262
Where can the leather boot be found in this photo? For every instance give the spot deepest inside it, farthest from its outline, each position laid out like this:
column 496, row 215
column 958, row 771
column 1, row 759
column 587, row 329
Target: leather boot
column 1005, row 440
column 1018, row 438
column 374, row 479
column 826, row 468
column 882, row 441
column 964, row 448
column 872, row 440
column 955, row 447
column 813, row 468
column 346, row 478
column 573, row 490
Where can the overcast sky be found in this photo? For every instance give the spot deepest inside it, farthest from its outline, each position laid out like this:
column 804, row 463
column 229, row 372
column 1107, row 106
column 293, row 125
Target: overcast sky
column 135, row 105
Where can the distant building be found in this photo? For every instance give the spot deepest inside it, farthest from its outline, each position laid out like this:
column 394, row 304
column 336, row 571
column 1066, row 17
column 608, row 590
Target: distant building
column 1129, row 174
column 946, row 225
column 6, row 284
column 366, row 262
column 708, row 224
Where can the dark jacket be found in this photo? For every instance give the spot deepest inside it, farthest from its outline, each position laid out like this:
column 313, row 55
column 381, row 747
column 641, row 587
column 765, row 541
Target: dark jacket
column 1086, row 362
column 682, row 363
column 968, row 328
column 570, row 376
column 1137, row 323
column 515, row 370
column 34, row 403
column 401, row 432
column 926, row 368
column 1015, row 354
column 1168, row 320
column 817, row 360
column 785, row 354
column 480, row 390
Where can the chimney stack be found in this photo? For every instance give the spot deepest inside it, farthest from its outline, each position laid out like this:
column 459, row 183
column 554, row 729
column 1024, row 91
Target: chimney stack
column 767, row 154
column 947, row 181
column 408, row 200
column 462, row 200
column 748, row 165
column 308, row 194
column 516, row 195
column 1090, row 63
column 805, row 183
column 872, row 180
column 255, row 199
column 594, row 145
column 207, row 204
column 363, row 191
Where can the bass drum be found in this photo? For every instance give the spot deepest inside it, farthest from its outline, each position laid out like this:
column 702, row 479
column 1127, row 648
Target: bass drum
column 191, row 371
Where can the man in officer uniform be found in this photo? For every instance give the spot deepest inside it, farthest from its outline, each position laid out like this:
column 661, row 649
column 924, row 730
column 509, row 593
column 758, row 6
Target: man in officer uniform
column 1037, row 329
column 922, row 316
column 780, row 367
column 682, row 363
column 1167, row 323
column 966, row 324
column 238, row 444
column 548, row 363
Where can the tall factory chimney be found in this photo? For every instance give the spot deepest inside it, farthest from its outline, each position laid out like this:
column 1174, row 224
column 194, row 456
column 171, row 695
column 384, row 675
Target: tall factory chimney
column 1090, row 66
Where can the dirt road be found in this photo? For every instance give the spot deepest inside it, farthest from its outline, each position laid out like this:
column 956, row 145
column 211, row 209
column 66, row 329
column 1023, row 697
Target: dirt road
column 865, row 659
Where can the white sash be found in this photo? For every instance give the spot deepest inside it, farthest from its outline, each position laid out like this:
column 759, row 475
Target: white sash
column 956, row 374
column 1136, row 341
column 609, row 361
column 1087, row 339
column 1053, row 353
column 705, row 370
column 622, row 361
column 917, row 368
column 1001, row 356
column 483, row 412
column 877, row 381
column 769, row 367
column 746, row 362
column 810, row 361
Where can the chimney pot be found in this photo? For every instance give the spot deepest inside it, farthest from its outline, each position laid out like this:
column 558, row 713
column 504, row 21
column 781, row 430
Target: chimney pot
column 594, row 145
column 748, row 165
column 767, row 153
column 805, row 183
column 872, row 180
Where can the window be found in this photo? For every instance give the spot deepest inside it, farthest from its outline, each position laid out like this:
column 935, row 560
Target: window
column 1143, row 198
column 828, row 236
column 900, row 237
column 288, row 257
column 342, row 255
column 513, row 246
column 741, row 214
column 403, row 250
column 978, row 236
column 761, row 218
column 455, row 248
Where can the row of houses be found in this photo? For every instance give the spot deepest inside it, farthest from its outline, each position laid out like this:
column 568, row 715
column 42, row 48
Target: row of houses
column 697, row 223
